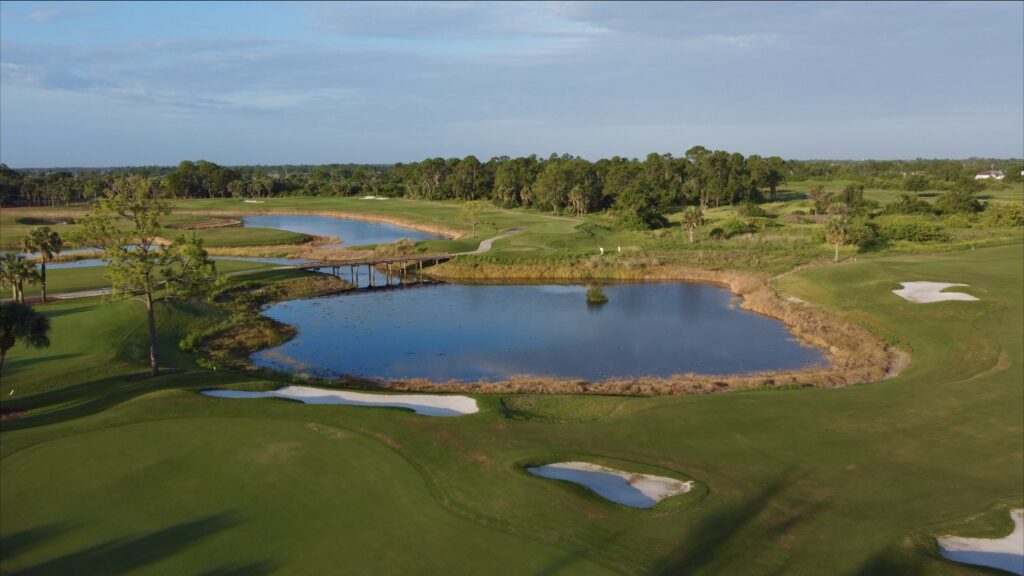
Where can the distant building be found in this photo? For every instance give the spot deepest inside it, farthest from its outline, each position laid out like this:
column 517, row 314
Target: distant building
column 990, row 174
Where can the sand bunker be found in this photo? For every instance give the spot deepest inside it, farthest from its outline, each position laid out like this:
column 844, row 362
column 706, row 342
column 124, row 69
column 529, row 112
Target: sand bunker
column 925, row 292
column 425, row 404
column 1002, row 553
column 636, row 490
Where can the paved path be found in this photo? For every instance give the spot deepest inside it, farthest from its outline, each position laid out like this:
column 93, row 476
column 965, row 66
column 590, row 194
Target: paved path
column 485, row 246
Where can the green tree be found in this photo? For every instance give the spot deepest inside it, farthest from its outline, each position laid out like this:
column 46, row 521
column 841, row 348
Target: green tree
column 20, row 322
column 15, row 272
column 692, row 219
column 48, row 244
column 837, row 231
column 915, row 182
column 819, row 198
column 125, row 223
column 471, row 213
column 639, row 210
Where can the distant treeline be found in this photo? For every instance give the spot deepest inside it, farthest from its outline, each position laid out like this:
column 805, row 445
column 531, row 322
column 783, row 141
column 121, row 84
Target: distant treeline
column 556, row 183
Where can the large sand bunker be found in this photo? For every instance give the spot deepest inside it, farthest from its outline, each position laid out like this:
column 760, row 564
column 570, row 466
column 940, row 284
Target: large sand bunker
column 1002, row 553
column 925, row 292
column 636, row 490
column 425, row 404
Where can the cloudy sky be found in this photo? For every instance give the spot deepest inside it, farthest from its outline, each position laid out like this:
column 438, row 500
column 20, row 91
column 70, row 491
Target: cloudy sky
column 95, row 84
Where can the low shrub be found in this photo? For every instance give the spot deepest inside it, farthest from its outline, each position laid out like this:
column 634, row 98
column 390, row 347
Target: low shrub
column 596, row 295
column 1000, row 214
column 749, row 209
column 862, row 233
column 959, row 220
column 735, row 226
column 910, row 228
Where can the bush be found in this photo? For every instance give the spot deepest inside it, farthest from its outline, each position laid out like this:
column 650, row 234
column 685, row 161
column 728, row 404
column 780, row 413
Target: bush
column 959, row 220
column 751, row 210
column 595, row 295
column 862, row 233
column 735, row 226
column 999, row 214
column 960, row 201
column 908, row 204
column 910, row 228
column 716, row 234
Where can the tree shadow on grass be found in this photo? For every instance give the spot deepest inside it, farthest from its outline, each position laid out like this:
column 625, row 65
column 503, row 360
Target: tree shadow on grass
column 56, row 312
column 20, row 542
column 98, row 395
column 712, row 537
column 124, row 555
column 12, row 366
column 891, row 561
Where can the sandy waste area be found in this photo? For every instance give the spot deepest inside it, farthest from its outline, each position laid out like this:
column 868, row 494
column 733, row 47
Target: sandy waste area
column 636, row 490
column 1001, row 553
column 425, row 404
column 926, row 292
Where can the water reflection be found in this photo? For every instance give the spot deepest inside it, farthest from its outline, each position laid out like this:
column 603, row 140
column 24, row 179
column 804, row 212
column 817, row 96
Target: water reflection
column 469, row 332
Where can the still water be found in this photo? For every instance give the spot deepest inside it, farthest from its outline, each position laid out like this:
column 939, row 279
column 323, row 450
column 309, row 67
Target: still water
column 470, row 332
column 351, row 232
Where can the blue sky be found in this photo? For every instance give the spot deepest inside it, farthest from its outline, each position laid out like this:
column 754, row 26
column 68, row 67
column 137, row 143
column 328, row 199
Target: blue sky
column 96, row 84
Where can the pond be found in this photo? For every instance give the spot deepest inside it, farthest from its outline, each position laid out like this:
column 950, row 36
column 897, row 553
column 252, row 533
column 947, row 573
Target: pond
column 490, row 332
column 351, row 232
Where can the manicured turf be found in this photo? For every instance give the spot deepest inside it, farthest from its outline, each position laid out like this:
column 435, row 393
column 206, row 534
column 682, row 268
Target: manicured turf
column 92, row 277
column 16, row 223
column 149, row 475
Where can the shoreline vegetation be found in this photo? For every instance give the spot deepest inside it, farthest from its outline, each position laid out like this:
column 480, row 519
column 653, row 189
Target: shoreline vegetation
column 855, row 355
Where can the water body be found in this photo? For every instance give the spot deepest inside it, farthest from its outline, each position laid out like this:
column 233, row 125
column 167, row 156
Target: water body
column 470, row 332
column 351, row 232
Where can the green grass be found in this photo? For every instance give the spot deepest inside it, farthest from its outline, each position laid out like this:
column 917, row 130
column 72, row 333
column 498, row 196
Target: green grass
column 16, row 223
column 996, row 192
column 93, row 277
column 148, row 476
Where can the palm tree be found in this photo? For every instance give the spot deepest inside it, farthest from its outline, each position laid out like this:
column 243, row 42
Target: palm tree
column 692, row 219
column 14, row 272
column 47, row 243
column 837, row 231
column 20, row 322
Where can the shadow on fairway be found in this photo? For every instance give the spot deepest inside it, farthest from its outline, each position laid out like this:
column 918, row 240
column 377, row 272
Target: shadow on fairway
column 123, row 555
column 891, row 562
column 707, row 541
column 21, row 542
column 12, row 366
column 98, row 395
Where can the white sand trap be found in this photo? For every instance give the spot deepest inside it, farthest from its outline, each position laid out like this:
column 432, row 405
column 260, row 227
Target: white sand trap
column 636, row 490
column 374, row 198
column 253, row 201
column 425, row 404
column 925, row 292
column 1002, row 553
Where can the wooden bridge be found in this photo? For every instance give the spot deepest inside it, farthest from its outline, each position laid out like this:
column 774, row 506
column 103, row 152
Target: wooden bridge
column 391, row 266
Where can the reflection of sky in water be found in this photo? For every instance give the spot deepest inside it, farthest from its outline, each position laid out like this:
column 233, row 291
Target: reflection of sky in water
column 351, row 232
column 97, row 262
column 469, row 332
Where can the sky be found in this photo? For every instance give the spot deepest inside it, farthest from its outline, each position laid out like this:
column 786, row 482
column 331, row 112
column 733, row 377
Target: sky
column 119, row 84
